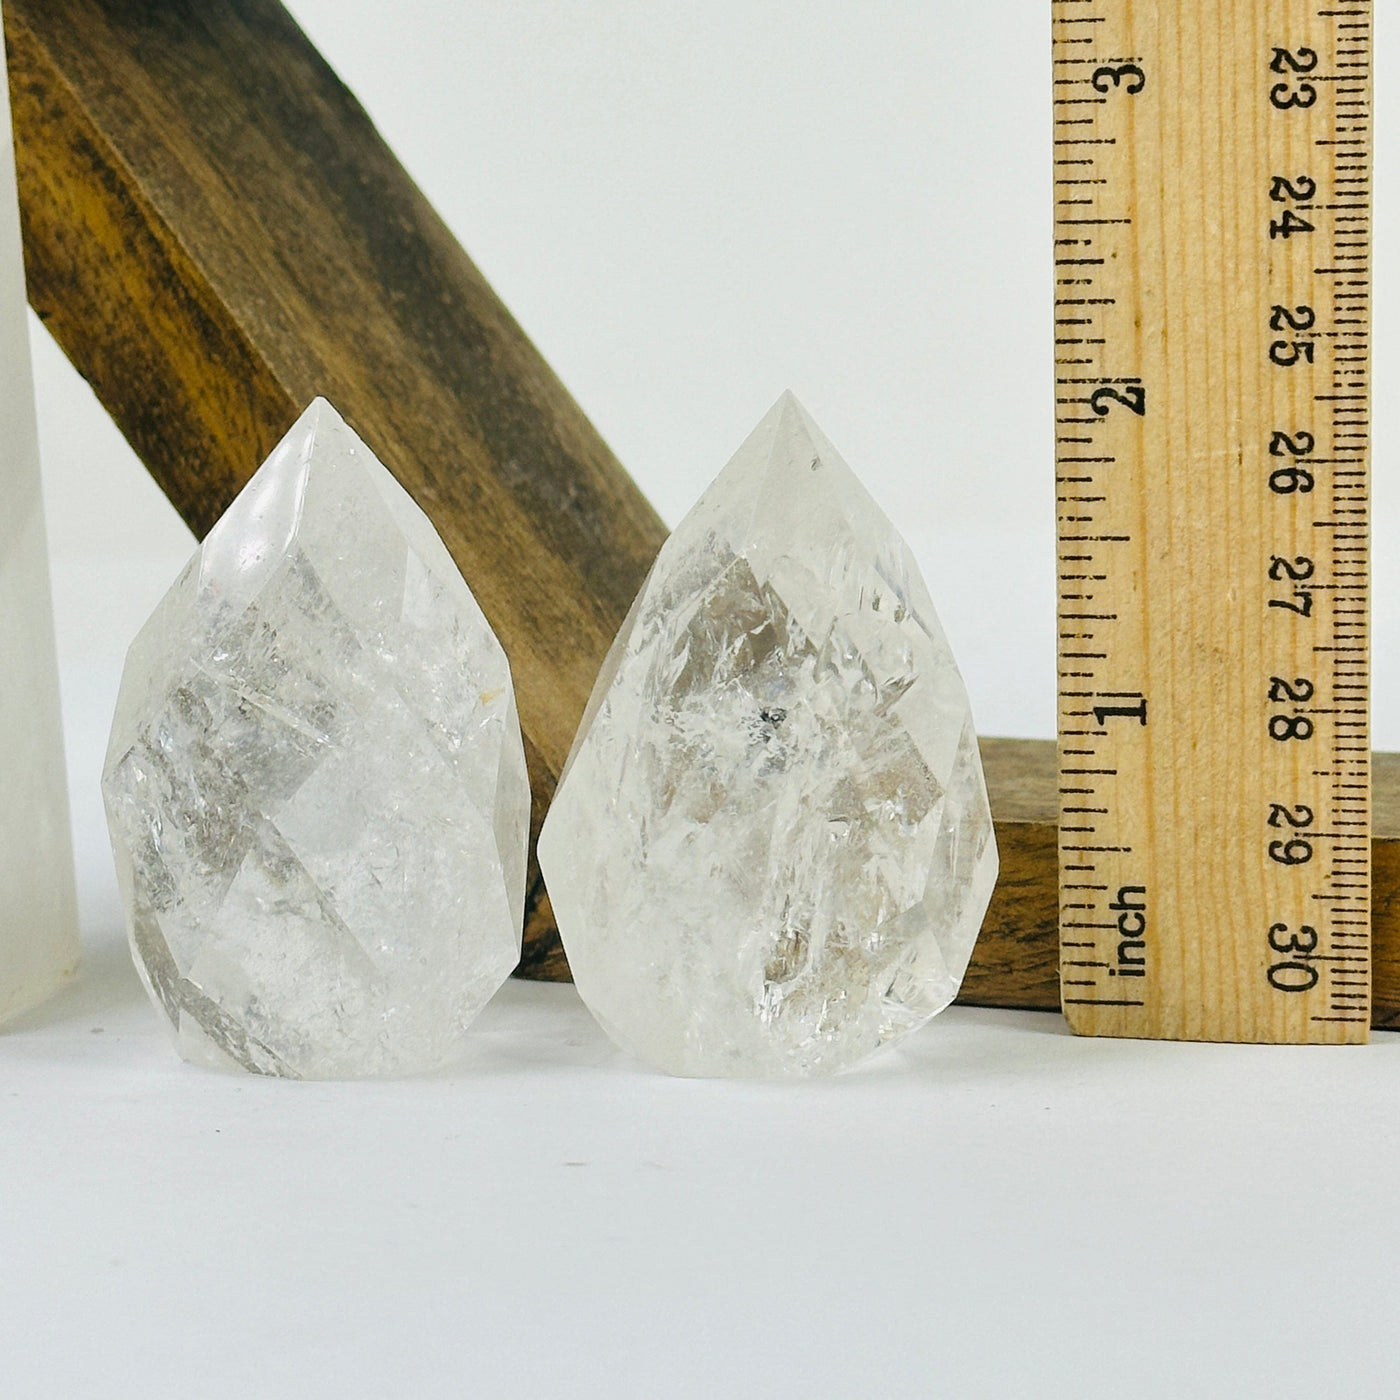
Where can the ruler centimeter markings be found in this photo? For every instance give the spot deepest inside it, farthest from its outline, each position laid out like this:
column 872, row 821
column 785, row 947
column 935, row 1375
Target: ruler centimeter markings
column 1212, row 165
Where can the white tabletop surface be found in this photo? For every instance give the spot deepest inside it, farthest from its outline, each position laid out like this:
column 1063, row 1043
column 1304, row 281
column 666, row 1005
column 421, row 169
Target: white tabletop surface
column 998, row 1209
column 691, row 208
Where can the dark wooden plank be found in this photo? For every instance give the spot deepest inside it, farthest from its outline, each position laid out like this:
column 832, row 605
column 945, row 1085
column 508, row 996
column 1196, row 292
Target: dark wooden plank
column 215, row 233
column 1017, row 959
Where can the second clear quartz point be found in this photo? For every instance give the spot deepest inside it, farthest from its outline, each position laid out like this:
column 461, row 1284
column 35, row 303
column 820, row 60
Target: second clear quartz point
column 771, row 849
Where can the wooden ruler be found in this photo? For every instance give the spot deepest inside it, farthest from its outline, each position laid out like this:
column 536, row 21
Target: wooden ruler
column 1212, row 227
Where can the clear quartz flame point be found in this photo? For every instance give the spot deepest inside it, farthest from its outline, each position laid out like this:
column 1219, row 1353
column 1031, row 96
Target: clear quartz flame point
column 771, row 848
column 316, row 784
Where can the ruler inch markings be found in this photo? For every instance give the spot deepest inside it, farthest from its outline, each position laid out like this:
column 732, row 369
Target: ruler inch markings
column 1212, row 306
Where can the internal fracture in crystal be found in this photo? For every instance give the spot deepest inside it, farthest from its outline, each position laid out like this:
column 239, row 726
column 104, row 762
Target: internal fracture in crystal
column 771, row 849
column 316, row 784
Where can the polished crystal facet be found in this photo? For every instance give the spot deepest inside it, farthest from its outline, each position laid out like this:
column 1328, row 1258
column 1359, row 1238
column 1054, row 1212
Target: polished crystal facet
column 771, row 849
column 38, row 905
column 316, row 784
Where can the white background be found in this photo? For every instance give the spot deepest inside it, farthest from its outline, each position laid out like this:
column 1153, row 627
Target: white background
column 691, row 207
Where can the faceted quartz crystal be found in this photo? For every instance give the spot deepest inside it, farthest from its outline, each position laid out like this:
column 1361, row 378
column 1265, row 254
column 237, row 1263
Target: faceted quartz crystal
column 771, row 849
column 316, row 784
column 38, row 905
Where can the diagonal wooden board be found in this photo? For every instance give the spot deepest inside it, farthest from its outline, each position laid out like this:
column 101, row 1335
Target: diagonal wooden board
column 214, row 232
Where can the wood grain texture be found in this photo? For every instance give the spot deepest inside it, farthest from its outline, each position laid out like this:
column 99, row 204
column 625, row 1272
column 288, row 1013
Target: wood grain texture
column 215, row 233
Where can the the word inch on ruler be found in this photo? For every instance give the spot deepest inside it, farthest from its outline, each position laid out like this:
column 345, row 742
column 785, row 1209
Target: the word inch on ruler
column 1212, row 280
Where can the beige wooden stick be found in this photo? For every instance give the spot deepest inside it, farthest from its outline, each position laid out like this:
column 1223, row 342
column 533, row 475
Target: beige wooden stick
column 1211, row 261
